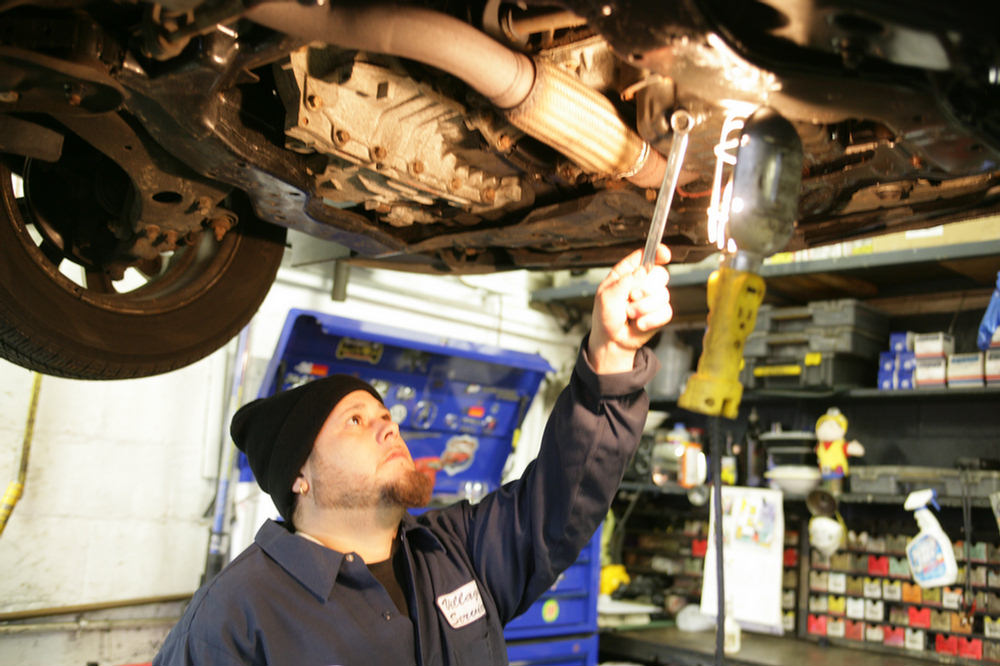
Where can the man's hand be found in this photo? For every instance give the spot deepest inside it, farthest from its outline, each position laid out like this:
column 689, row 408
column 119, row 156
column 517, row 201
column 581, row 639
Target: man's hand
column 630, row 305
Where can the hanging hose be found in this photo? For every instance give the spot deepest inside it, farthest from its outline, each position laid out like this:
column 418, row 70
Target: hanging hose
column 218, row 548
column 16, row 488
column 715, row 451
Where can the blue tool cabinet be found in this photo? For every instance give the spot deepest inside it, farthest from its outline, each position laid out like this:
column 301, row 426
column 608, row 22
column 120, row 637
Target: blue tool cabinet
column 560, row 628
column 570, row 605
column 459, row 406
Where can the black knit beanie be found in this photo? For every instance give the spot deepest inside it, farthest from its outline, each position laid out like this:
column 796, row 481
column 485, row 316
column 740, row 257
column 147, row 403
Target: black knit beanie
column 277, row 433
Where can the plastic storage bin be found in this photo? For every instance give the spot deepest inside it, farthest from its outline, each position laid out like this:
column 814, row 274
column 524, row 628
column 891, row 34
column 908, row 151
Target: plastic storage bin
column 839, row 339
column 846, row 312
column 813, row 370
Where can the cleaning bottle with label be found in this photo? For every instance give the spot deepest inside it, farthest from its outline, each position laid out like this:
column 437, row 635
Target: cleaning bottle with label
column 932, row 560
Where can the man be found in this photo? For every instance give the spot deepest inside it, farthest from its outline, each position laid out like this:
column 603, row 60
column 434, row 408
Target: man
column 350, row 578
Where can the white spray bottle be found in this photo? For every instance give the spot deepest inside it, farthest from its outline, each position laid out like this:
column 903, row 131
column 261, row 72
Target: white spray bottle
column 932, row 560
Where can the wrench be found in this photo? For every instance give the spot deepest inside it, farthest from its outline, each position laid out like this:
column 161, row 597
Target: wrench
column 681, row 122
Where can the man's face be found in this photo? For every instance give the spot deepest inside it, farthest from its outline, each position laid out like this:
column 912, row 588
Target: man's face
column 360, row 460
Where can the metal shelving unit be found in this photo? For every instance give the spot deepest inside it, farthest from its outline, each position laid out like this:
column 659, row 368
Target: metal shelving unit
column 901, row 282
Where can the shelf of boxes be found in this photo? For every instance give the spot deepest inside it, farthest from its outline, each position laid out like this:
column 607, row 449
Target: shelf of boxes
column 677, row 548
column 865, row 594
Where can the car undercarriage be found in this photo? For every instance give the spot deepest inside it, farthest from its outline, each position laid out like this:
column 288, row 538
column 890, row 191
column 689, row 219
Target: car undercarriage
column 176, row 142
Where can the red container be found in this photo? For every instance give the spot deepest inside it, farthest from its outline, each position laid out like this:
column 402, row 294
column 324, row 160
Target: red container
column 878, row 565
column 970, row 648
column 895, row 636
column 816, row 625
column 946, row 644
column 920, row 618
column 854, row 630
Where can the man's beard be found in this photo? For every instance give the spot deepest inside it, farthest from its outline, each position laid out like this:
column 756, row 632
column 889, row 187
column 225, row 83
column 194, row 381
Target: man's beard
column 410, row 489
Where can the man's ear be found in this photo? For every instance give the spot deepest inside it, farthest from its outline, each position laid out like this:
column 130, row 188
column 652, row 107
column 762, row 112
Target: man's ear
column 300, row 486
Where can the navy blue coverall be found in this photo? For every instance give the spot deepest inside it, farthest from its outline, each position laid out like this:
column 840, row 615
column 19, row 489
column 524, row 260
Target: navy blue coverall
column 471, row 568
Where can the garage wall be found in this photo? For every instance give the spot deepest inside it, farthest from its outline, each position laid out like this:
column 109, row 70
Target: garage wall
column 121, row 473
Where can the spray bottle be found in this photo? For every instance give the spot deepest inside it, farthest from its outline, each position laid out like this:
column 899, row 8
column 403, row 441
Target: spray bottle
column 932, row 560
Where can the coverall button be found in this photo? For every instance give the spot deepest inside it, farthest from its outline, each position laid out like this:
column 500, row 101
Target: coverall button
column 349, row 557
column 387, row 615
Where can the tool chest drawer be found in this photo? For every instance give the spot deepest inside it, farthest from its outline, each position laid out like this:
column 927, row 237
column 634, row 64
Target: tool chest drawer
column 570, row 605
column 572, row 651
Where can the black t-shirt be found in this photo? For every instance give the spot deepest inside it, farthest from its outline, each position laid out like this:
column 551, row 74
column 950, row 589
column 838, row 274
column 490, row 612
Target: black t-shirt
column 391, row 573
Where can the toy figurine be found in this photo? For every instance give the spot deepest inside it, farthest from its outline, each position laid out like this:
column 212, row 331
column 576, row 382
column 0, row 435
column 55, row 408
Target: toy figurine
column 832, row 449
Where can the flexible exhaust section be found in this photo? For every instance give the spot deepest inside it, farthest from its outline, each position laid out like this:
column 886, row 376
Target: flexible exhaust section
column 538, row 98
column 583, row 125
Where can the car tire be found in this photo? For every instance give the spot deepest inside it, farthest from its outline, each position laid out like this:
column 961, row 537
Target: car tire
column 203, row 298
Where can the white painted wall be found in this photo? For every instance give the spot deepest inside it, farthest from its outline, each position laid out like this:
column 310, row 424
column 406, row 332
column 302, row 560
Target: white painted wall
column 121, row 473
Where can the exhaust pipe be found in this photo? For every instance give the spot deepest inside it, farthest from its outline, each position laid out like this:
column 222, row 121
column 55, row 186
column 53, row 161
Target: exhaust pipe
column 537, row 97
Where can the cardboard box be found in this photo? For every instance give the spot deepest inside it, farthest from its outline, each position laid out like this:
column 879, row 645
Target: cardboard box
column 965, row 370
column 886, row 380
column 926, row 345
column 991, row 366
column 931, row 372
column 905, row 379
column 901, row 341
column 895, row 370
column 916, row 639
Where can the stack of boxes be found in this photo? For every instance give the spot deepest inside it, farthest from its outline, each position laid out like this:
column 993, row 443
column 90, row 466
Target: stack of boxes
column 897, row 367
column 965, row 370
column 932, row 351
column 928, row 360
